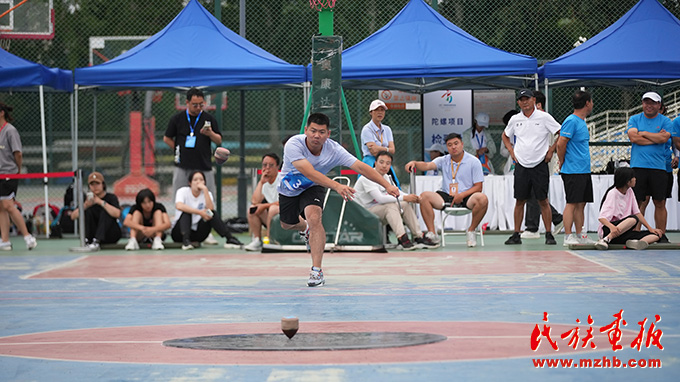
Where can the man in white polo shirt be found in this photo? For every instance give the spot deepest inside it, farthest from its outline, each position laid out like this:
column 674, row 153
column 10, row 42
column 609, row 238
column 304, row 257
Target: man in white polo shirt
column 532, row 151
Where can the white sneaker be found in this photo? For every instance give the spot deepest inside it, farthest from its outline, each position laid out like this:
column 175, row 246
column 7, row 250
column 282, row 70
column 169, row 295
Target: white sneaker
column 471, row 237
column 571, row 239
column 5, row 245
column 187, row 247
column 602, row 245
column 584, row 239
column 210, row 240
column 433, row 238
column 30, row 242
column 558, row 227
column 315, row 278
column 530, row 235
column 157, row 243
column 255, row 245
column 636, row 244
column 132, row 245
column 94, row 246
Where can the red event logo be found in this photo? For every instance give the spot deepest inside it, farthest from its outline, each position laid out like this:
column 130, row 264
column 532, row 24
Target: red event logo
column 613, row 334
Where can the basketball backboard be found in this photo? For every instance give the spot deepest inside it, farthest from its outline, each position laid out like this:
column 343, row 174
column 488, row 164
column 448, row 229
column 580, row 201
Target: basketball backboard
column 26, row 20
column 105, row 48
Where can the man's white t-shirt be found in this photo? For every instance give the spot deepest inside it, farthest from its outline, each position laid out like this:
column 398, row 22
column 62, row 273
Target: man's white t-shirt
column 532, row 136
column 185, row 196
column 269, row 190
column 293, row 183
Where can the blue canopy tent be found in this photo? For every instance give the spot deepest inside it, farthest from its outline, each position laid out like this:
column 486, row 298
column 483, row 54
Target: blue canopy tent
column 18, row 74
column 642, row 47
column 419, row 50
column 194, row 49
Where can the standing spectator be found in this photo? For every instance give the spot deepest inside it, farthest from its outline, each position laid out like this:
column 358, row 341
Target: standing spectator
column 479, row 143
column 390, row 210
column 147, row 221
column 462, row 180
column 264, row 202
column 377, row 137
column 573, row 152
column 190, row 134
column 308, row 157
column 649, row 133
column 10, row 163
column 509, row 167
column 533, row 211
column 436, row 150
column 102, row 211
column 195, row 215
column 619, row 214
column 532, row 151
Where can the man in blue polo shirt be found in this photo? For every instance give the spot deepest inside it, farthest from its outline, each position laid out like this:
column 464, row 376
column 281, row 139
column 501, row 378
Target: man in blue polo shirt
column 649, row 132
column 462, row 180
column 573, row 153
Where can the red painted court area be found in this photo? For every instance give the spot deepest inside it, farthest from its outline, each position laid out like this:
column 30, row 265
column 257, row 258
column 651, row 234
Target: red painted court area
column 143, row 344
column 336, row 264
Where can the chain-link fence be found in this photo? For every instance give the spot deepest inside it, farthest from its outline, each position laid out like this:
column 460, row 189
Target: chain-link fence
column 284, row 28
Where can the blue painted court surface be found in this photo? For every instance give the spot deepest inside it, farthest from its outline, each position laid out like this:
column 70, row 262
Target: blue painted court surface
column 103, row 316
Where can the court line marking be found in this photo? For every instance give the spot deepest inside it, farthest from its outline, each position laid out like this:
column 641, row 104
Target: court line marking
column 54, row 267
column 593, row 261
column 670, row 265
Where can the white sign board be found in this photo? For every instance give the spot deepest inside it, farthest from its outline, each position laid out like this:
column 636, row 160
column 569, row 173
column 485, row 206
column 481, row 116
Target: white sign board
column 445, row 112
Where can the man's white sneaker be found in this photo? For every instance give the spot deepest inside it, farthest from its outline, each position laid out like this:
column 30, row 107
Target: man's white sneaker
column 584, row 239
column 5, row 245
column 255, row 245
column 571, row 239
column 636, row 244
column 94, row 245
column 601, row 245
column 210, row 240
column 558, row 228
column 132, row 244
column 315, row 278
column 30, row 242
column 471, row 237
column 157, row 244
column 530, row 235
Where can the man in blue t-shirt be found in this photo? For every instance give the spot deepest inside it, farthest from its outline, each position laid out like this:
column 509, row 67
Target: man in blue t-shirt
column 649, row 132
column 306, row 160
column 573, row 153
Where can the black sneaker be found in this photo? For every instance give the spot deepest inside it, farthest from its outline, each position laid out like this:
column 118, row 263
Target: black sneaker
column 233, row 242
column 663, row 239
column 514, row 239
column 405, row 243
column 550, row 239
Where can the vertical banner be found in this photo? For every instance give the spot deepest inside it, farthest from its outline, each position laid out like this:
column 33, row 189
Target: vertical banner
column 444, row 112
column 326, row 79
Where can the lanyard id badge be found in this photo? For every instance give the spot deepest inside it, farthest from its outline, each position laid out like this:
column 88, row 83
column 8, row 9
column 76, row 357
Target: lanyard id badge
column 191, row 138
column 190, row 142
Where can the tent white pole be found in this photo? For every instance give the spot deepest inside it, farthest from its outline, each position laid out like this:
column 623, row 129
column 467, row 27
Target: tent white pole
column 44, row 156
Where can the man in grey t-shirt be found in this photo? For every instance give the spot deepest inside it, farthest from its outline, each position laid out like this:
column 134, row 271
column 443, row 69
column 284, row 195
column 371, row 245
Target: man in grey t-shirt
column 306, row 160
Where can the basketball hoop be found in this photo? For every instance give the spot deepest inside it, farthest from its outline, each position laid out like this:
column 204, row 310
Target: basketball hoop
column 319, row 5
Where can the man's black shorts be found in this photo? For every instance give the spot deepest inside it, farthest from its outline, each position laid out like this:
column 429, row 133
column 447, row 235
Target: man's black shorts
column 650, row 182
column 578, row 188
column 292, row 207
column 535, row 178
column 448, row 199
column 8, row 188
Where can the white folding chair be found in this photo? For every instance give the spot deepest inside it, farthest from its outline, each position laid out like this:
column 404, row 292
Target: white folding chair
column 457, row 211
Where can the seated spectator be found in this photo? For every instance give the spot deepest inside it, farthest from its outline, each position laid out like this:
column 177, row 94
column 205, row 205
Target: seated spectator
column 102, row 211
column 265, row 201
column 195, row 215
column 619, row 214
column 374, row 198
column 462, row 179
column 147, row 221
column 479, row 143
column 436, row 150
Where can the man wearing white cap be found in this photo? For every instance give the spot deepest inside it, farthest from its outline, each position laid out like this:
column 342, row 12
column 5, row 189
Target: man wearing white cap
column 649, row 133
column 480, row 144
column 377, row 137
column 436, row 150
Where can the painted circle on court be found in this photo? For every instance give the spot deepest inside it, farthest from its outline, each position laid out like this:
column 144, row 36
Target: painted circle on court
column 144, row 344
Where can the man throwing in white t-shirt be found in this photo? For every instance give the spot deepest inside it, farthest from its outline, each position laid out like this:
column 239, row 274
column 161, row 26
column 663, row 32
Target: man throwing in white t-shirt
column 532, row 152
column 306, row 160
